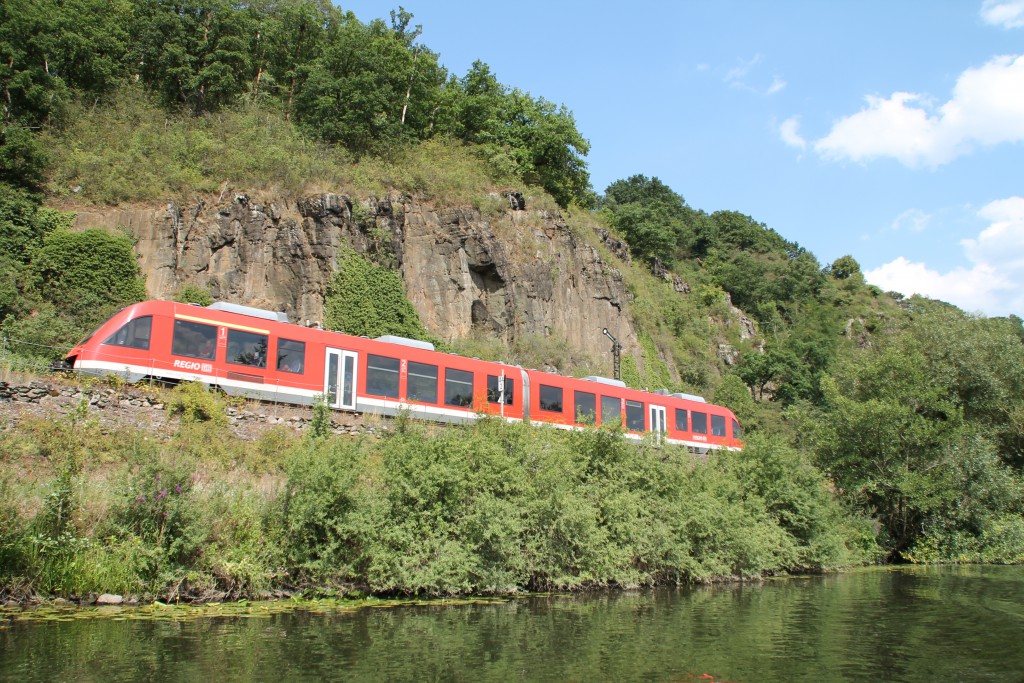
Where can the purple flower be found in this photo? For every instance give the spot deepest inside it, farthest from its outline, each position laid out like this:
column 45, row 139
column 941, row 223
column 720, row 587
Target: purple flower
column 177, row 488
column 161, row 495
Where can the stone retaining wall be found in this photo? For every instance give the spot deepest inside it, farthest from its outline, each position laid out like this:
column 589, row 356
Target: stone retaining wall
column 134, row 405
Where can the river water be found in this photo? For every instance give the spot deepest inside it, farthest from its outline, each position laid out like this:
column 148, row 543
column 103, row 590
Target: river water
column 881, row 624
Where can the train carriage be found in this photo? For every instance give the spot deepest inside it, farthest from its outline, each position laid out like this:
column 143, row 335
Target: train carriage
column 256, row 353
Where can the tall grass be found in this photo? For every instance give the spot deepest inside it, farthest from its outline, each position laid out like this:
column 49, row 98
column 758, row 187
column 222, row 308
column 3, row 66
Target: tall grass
column 131, row 149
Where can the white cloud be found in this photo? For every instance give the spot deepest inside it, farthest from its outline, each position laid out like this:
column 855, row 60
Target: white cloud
column 994, row 282
column 777, row 85
column 970, row 289
column 987, row 108
column 1005, row 13
column 790, row 132
column 738, row 73
column 738, row 77
column 914, row 220
column 1001, row 243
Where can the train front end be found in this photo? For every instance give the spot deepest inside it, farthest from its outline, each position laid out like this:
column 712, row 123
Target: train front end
column 119, row 346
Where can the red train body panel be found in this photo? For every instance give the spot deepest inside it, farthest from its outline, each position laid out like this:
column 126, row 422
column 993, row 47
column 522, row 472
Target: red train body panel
column 250, row 352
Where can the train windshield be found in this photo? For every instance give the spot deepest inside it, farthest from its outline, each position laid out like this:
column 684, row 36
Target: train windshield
column 93, row 333
column 134, row 334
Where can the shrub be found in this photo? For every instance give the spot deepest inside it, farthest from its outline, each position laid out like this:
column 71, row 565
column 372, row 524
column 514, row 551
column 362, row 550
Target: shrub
column 322, row 511
column 194, row 402
column 320, row 425
column 157, row 506
column 13, row 538
column 366, row 299
column 194, row 294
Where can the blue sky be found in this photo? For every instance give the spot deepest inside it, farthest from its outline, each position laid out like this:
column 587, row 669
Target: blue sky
column 891, row 131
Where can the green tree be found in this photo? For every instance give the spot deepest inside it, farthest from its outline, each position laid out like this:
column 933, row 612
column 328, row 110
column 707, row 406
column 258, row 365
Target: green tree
column 371, row 88
column 518, row 135
column 50, row 50
column 291, row 35
column 92, row 41
column 194, row 52
column 31, row 92
column 74, row 281
column 910, row 428
column 88, row 268
column 647, row 229
column 23, row 222
column 648, row 215
column 888, row 454
column 844, row 267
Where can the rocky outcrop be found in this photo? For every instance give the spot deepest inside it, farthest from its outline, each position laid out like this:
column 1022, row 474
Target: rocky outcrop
column 523, row 272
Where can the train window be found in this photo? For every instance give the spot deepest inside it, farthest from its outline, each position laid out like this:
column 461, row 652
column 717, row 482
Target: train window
column 458, row 387
column 681, row 420
column 291, row 356
column 737, row 433
column 493, row 395
column 586, row 407
column 551, row 398
column 635, row 416
column 247, row 348
column 194, row 340
column 133, row 334
column 382, row 376
column 422, row 382
column 718, row 425
column 699, row 422
column 611, row 411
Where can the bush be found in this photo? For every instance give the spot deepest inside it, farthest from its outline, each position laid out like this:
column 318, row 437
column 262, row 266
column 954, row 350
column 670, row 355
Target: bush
column 238, row 552
column 194, row 294
column 13, row 538
column 486, row 508
column 366, row 299
column 92, row 272
column 323, row 512
column 157, row 507
column 194, row 402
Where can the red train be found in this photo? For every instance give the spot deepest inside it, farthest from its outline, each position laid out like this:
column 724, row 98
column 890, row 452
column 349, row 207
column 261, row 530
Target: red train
column 252, row 352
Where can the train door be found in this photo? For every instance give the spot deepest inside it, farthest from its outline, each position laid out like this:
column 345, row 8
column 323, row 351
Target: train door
column 340, row 379
column 658, row 427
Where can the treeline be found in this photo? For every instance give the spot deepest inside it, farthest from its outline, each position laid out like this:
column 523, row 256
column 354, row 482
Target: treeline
column 368, row 87
column 914, row 409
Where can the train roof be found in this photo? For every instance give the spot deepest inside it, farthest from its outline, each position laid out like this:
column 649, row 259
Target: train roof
column 279, row 316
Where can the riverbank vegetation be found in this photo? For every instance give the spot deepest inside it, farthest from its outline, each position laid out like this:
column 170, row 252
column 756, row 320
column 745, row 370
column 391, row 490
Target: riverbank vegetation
column 491, row 508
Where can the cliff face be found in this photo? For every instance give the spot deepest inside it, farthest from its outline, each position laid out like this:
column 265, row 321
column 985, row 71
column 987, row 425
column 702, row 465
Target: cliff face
column 508, row 275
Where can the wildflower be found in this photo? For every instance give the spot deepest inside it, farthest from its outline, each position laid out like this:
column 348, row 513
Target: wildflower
column 162, row 495
column 177, row 488
column 141, row 498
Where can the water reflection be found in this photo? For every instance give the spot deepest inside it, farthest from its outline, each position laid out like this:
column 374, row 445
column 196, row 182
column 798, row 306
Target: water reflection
column 931, row 624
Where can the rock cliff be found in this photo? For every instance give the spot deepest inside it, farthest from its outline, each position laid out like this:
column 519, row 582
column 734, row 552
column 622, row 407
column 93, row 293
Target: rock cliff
column 508, row 274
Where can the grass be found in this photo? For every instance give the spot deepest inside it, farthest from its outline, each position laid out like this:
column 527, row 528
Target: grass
column 132, row 150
